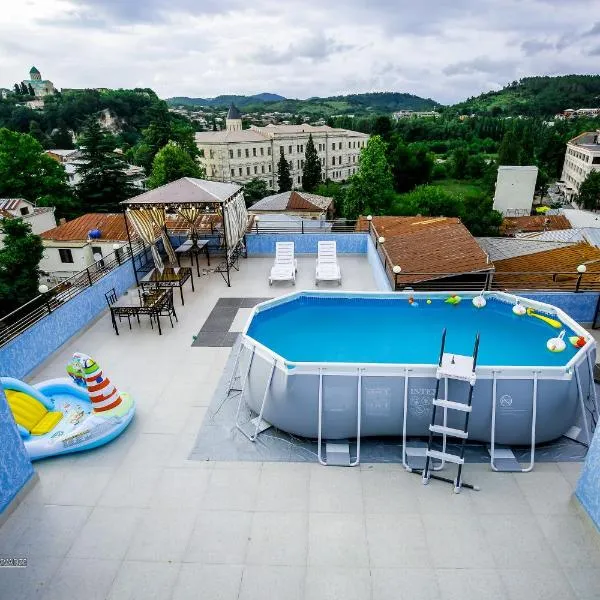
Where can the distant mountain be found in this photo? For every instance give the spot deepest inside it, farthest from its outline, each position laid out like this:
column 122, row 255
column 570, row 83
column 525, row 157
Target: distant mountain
column 536, row 96
column 357, row 104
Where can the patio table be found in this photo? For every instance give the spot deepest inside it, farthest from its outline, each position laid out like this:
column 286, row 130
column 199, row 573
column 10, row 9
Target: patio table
column 193, row 248
column 134, row 305
column 169, row 277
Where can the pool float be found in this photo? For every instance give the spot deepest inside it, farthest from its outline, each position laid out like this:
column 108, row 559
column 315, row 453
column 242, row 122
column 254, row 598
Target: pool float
column 552, row 322
column 557, row 344
column 428, row 301
column 479, row 301
column 59, row 416
column 519, row 310
column 454, row 300
column 412, row 302
column 577, row 340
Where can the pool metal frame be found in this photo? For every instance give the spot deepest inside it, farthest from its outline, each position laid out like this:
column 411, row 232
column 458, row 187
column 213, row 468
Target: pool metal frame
column 495, row 373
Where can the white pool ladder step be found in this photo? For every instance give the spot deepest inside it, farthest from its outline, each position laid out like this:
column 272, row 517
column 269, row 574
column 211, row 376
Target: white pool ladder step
column 451, row 367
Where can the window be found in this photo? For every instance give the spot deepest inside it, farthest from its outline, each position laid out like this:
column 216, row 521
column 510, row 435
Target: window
column 333, row 160
column 298, row 164
column 247, row 169
column 323, row 161
column 271, row 182
column 231, row 154
column 298, row 148
column 340, row 145
column 211, row 153
column 333, row 146
column 253, row 151
column 97, row 255
column 239, row 153
column 262, row 151
column 269, row 168
column 241, row 171
column 354, row 158
column 66, row 256
column 269, row 150
column 302, row 164
column 281, row 150
column 301, row 147
column 298, row 178
column 233, row 172
column 289, row 149
column 596, row 160
column 262, row 169
column 24, row 210
column 247, row 153
column 255, row 169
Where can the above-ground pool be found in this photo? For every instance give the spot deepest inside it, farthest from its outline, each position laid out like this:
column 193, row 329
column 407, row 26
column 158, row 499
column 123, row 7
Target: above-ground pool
column 381, row 351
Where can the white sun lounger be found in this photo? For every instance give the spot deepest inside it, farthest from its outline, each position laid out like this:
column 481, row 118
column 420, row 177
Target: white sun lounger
column 285, row 266
column 328, row 268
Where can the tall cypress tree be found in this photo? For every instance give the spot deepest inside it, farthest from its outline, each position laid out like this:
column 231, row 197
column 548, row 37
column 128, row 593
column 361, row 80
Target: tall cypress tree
column 311, row 174
column 30, row 89
column 284, row 179
column 17, row 89
column 24, row 90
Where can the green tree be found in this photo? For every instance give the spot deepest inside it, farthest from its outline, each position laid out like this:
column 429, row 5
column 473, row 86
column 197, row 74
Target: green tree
column 509, row 152
column 589, row 191
column 371, row 188
column 429, row 201
column 24, row 90
column 284, row 179
column 171, row 163
column 479, row 217
column 459, row 162
column 35, row 131
column 17, row 89
column 256, row 189
column 61, row 138
column 411, row 164
column 27, row 172
column 30, row 90
column 103, row 181
column 19, row 259
column 311, row 174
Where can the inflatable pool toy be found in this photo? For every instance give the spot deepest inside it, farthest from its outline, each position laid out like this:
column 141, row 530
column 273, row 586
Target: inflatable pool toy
column 519, row 310
column 557, row 344
column 428, row 301
column 552, row 322
column 479, row 301
column 412, row 302
column 454, row 300
column 577, row 340
column 59, row 416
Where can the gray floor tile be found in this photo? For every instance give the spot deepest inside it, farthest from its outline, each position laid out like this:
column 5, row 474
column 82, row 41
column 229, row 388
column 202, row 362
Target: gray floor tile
column 584, row 582
column 82, row 578
column 214, row 582
column 337, row 540
column 31, row 582
column 84, row 489
column 390, row 490
column 283, row 488
column 162, row 534
column 106, row 534
column 537, row 584
column 150, row 450
column 219, row 537
column 404, row 584
column 52, row 531
column 335, row 583
column 397, row 541
column 259, row 581
column 180, row 488
column 232, row 490
column 278, row 539
column 547, row 492
column 470, row 584
column 144, row 581
column 131, row 487
column 335, row 490
column 500, row 494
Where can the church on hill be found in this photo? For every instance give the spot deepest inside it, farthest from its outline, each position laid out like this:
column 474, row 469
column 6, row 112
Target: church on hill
column 41, row 87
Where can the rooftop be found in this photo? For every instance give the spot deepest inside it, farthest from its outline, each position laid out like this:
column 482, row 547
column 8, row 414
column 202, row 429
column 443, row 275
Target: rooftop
column 111, row 226
column 139, row 518
column 512, row 225
column 234, row 112
column 587, row 141
column 292, row 200
column 500, row 248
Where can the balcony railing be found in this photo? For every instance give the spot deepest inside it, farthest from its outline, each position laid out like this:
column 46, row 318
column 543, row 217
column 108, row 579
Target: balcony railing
column 39, row 307
column 303, row 226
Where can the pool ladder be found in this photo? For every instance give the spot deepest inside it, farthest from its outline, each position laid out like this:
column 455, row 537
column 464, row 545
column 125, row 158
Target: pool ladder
column 450, row 367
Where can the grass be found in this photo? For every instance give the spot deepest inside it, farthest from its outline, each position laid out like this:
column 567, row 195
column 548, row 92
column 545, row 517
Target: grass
column 456, row 186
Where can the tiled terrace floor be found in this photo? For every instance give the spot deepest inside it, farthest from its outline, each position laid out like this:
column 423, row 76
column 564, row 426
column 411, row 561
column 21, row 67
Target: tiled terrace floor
column 137, row 519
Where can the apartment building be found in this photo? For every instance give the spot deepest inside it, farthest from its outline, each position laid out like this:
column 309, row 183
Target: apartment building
column 239, row 155
column 582, row 157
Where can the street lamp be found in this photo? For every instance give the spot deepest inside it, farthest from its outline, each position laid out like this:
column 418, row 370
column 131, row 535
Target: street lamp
column 116, row 248
column 581, row 269
column 43, row 290
column 397, row 269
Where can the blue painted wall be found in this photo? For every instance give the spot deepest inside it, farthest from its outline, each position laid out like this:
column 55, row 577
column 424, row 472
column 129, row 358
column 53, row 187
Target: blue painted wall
column 580, row 307
column 20, row 356
column 15, row 466
column 379, row 274
column 306, row 243
column 588, row 487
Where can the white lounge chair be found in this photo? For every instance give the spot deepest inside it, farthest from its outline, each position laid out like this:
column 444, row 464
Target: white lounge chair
column 285, row 266
column 328, row 268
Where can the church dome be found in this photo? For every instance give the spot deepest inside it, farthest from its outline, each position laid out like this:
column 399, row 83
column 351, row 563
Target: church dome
column 33, row 70
column 234, row 112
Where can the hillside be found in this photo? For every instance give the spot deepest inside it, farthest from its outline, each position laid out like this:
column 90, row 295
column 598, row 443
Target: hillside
column 358, row 104
column 536, row 96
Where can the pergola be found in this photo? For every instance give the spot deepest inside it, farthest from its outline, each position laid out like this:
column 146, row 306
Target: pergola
column 190, row 199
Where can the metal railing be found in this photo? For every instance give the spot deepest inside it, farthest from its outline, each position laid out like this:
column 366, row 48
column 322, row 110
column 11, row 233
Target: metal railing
column 303, row 226
column 16, row 322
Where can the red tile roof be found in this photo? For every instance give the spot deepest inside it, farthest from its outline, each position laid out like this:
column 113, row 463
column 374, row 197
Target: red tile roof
column 428, row 247
column 512, row 225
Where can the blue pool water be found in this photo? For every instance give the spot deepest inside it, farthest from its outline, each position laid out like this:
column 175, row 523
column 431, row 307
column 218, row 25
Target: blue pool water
column 359, row 330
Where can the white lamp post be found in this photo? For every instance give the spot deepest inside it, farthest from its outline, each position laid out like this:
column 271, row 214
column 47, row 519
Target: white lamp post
column 43, row 288
column 397, row 269
column 581, row 269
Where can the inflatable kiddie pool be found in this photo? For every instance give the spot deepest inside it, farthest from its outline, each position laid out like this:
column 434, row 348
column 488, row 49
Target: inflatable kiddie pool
column 59, row 416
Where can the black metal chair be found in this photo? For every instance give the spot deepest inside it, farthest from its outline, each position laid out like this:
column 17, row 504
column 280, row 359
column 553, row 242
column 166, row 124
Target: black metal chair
column 168, row 309
column 111, row 298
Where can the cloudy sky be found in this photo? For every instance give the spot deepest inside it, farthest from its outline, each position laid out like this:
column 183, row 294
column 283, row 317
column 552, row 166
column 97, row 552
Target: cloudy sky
column 444, row 49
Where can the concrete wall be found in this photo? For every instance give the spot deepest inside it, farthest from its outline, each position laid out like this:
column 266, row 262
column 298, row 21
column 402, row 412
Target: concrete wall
column 588, row 486
column 514, row 189
column 379, row 274
column 15, row 466
column 306, row 243
column 21, row 355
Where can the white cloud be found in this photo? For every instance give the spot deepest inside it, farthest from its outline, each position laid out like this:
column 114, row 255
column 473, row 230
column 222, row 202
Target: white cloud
column 453, row 49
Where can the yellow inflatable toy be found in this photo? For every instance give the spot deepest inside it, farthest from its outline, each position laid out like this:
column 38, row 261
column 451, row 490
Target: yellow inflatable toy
column 454, row 300
column 552, row 322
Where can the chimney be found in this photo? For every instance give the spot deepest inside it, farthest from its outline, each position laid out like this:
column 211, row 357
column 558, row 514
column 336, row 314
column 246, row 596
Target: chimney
column 62, row 221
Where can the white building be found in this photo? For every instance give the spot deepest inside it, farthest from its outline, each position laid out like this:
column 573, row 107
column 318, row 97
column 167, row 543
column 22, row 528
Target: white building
column 239, row 155
column 40, row 218
column 417, row 114
column 72, row 246
column 582, row 157
column 515, row 187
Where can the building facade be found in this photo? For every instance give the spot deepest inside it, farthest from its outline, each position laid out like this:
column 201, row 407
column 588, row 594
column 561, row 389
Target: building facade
column 239, row 155
column 41, row 87
column 581, row 158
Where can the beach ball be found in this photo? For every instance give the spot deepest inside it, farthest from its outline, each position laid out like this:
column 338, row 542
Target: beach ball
column 479, row 302
column 519, row 309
